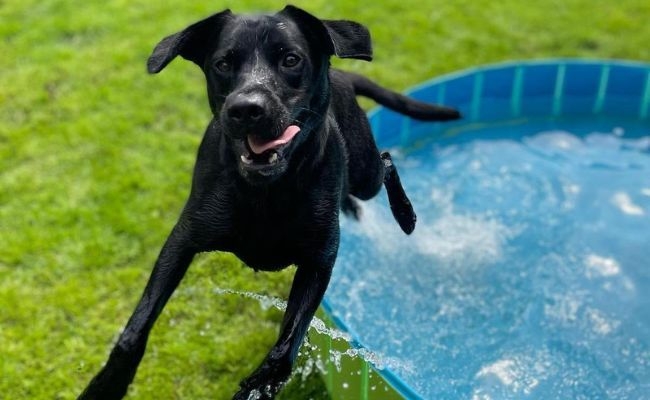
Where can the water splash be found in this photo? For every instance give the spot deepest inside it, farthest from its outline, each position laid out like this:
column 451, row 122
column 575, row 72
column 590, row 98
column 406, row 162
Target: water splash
column 379, row 361
column 267, row 302
column 254, row 395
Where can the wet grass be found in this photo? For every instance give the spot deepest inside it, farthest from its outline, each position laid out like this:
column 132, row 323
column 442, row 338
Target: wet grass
column 96, row 159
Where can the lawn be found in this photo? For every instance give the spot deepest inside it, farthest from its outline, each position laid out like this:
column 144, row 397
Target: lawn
column 96, row 159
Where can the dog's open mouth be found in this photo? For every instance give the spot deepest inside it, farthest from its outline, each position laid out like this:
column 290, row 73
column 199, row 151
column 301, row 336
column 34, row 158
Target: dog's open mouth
column 259, row 145
column 259, row 154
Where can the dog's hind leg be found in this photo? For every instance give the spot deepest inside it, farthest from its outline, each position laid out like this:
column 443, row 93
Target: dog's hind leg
column 400, row 205
column 351, row 207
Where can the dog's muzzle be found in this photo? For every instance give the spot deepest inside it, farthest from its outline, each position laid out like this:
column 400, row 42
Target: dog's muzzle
column 260, row 140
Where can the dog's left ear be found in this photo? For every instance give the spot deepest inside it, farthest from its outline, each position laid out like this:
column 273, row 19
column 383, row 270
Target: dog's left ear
column 345, row 39
column 192, row 43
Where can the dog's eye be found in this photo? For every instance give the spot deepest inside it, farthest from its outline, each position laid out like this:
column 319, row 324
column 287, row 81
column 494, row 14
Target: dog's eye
column 290, row 60
column 223, row 65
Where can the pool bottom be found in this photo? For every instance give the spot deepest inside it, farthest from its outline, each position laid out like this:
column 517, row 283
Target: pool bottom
column 525, row 275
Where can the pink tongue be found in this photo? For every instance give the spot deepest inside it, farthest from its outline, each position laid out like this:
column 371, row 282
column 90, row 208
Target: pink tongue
column 259, row 145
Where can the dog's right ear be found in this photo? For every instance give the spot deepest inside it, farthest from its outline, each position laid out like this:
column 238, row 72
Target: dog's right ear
column 345, row 39
column 192, row 43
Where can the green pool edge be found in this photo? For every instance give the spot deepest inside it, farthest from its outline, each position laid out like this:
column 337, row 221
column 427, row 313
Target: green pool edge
column 353, row 378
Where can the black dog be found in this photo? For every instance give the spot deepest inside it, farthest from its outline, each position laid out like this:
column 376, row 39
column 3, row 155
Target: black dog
column 287, row 148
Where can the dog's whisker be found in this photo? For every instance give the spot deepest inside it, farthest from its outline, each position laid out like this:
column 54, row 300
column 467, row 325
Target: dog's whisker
column 318, row 114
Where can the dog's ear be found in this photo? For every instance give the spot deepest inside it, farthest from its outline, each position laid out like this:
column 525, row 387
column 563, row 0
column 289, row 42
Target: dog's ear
column 345, row 39
column 192, row 43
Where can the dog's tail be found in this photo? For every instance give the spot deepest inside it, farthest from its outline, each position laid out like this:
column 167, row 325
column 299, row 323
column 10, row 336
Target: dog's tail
column 400, row 103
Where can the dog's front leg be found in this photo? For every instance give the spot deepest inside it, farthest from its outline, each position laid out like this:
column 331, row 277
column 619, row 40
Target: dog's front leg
column 307, row 291
column 118, row 372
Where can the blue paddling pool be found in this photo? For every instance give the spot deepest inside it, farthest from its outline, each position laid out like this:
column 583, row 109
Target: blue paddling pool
column 528, row 274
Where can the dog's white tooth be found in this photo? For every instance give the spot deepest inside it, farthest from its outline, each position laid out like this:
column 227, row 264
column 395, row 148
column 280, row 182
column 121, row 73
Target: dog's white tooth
column 273, row 158
column 245, row 159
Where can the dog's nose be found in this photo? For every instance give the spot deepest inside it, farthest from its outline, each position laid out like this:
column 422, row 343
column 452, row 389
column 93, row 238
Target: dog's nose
column 247, row 110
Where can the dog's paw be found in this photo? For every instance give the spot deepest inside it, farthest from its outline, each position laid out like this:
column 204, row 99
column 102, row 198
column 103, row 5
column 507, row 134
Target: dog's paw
column 265, row 382
column 260, row 391
column 106, row 385
column 113, row 380
column 255, row 394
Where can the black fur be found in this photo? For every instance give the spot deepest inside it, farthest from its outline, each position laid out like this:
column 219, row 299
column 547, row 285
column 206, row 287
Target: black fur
column 279, row 205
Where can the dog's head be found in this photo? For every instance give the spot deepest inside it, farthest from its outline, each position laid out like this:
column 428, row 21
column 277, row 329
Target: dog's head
column 267, row 79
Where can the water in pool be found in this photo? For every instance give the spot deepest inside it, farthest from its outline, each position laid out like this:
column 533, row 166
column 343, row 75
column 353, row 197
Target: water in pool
column 528, row 273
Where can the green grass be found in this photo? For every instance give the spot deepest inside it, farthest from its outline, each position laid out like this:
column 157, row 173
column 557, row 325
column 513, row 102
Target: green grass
column 96, row 159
